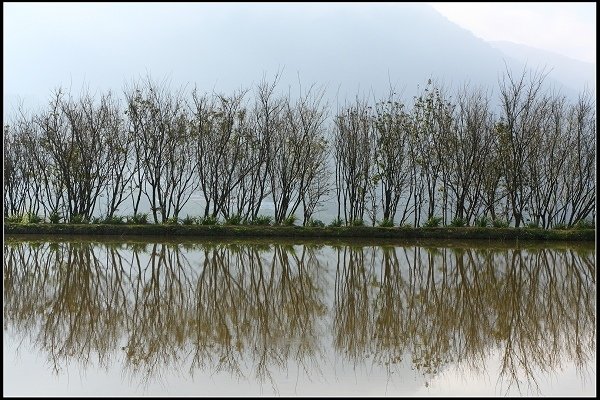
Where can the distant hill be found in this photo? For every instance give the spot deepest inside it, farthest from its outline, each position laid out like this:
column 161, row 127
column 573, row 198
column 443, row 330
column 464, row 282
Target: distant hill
column 354, row 48
column 573, row 73
column 347, row 47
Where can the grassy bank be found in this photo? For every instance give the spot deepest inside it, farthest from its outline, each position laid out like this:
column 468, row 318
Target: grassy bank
column 302, row 232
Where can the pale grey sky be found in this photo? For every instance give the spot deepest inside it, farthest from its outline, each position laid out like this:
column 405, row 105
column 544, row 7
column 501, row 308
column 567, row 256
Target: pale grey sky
column 103, row 45
column 564, row 28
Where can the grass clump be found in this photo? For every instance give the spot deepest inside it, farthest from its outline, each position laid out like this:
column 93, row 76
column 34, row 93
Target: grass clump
column 459, row 222
column 54, row 217
column 357, row 222
column 114, row 220
column 188, row 220
column 138, row 219
column 13, row 219
column 583, row 224
column 500, row 223
column 290, row 220
column 210, row 220
column 481, row 222
column 316, row 223
column 78, row 219
column 336, row 223
column 172, row 221
column 235, row 219
column 433, row 222
column 387, row 223
column 262, row 220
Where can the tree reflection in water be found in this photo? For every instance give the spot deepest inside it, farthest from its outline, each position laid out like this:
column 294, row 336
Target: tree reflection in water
column 224, row 306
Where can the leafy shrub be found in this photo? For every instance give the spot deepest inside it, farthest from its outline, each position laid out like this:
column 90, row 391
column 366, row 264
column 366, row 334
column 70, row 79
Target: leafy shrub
column 54, row 217
column 532, row 225
column 336, row 223
column 433, row 222
column 500, row 223
column 235, row 219
column 210, row 220
column 481, row 222
column 458, row 222
column 386, row 223
column 291, row 220
column 139, row 219
column 316, row 223
column 262, row 220
column 561, row 227
column 406, row 225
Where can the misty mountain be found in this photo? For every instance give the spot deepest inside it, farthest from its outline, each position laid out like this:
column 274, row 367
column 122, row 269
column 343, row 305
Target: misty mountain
column 358, row 49
column 352, row 49
column 573, row 73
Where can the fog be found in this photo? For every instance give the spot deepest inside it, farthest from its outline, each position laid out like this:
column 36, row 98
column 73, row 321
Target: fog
column 349, row 48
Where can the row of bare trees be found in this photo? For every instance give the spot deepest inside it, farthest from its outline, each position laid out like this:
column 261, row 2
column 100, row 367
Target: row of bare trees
column 530, row 160
column 81, row 157
column 454, row 157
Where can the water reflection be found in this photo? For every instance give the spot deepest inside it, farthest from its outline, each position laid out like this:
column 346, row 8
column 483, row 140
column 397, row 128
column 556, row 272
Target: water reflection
column 225, row 306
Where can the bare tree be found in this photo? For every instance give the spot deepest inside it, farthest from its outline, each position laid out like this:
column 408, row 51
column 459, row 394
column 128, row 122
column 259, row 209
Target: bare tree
column 162, row 126
column 392, row 127
column 522, row 111
column 354, row 145
column 296, row 172
column 580, row 172
column 432, row 122
column 118, row 142
column 469, row 147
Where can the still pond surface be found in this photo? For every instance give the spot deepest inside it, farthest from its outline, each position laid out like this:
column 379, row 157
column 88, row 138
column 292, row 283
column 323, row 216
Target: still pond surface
column 245, row 318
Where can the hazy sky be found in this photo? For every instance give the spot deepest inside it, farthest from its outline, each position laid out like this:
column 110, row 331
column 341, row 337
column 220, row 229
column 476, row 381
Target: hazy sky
column 104, row 44
column 565, row 28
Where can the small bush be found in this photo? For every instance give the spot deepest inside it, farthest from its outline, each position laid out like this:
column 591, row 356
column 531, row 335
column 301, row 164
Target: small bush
column 290, row 221
column 561, row 227
column 210, row 220
column 532, row 225
column 481, row 222
column 188, row 220
column 235, row 219
column 336, row 223
column 77, row 219
column 406, row 225
column 262, row 220
column 316, row 223
column 583, row 224
column 138, row 219
column 54, row 217
column 433, row 222
column 458, row 222
column 386, row 223
column 500, row 223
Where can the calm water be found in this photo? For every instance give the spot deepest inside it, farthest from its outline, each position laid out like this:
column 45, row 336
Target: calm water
column 427, row 318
